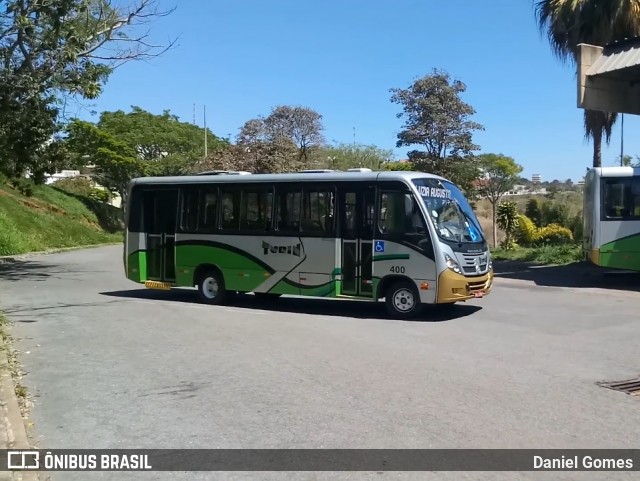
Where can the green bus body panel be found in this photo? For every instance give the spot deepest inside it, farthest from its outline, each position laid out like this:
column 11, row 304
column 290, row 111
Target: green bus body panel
column 137, row 264
column 245, row 275
column 240, row 272
column 622, row 253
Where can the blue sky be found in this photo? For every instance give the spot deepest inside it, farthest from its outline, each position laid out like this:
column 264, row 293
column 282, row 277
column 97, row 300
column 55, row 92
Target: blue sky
column 242, row 57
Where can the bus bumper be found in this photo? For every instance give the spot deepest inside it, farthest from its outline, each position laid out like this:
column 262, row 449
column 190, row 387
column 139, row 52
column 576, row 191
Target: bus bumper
column 454, row 287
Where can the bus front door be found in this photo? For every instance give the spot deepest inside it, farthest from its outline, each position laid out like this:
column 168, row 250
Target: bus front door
column 159, row 218
column 357, row 224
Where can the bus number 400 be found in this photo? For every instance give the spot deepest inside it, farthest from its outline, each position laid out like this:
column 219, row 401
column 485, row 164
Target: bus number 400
column 397, row 269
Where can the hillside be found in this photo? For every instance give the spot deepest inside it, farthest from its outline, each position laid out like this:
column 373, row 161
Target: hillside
column 570, row 200
column 51, row 218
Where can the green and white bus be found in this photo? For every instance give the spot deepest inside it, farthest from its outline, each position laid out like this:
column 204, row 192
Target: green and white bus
column 612, row 217
column 410, row 238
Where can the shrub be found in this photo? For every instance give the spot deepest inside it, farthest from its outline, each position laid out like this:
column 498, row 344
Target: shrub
column 99, row 195
column 555, row 234
column 75, row 185
column 22, row 185
column 552, row 213
column 576, row 224
column 527, row 233
column 532, row 211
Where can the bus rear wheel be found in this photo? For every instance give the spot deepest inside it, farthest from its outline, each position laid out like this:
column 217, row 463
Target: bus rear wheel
column 402, row 300
column 211, row 288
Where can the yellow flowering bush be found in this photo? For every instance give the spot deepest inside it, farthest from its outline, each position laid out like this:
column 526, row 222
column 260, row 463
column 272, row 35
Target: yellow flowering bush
column 555, row 234
column 527, row 233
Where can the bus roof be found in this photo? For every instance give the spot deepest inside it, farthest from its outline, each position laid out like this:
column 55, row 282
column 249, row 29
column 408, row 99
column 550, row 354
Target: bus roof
column 616, row 171
column 292, row 177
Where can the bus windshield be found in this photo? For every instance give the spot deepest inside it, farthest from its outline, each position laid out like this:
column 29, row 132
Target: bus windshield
column 450, row 211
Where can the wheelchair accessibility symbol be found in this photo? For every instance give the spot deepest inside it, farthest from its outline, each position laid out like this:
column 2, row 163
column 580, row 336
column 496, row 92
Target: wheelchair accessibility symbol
column 379, row 246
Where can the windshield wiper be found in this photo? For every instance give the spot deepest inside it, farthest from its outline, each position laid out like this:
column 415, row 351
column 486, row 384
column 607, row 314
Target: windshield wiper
column 469, row 220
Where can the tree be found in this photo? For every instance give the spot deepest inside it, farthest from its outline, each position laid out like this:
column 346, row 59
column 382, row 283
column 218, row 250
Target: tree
column 627, row 161
column 284, row 141
column 115, row 162
column 533, row 212
column 300, row 125
column 127, row 145
column 264, row 152
column 437, row 119
column 348, row 156
column 568, row 23
column 401, row 166
column 231, row 157
column 58, row 50
column 166, row 143
column 508, row 220
column 500, row 174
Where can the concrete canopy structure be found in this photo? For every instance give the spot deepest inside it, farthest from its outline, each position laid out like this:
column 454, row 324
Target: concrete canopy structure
column 609, row 77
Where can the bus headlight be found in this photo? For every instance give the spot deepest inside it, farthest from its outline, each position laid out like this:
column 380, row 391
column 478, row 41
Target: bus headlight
column 451, row 264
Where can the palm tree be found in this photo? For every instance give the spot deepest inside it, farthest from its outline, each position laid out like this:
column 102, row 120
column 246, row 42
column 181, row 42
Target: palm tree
column 568, row 23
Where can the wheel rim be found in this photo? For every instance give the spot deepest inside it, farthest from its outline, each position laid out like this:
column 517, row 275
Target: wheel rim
column 210, row 288
column 404, row 300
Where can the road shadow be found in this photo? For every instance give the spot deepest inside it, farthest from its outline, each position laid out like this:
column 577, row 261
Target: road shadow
column 309, row 305
column 20, row 270
column 17, row 269
column 577, row 275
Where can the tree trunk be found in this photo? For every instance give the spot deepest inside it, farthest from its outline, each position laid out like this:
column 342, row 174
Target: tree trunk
column 495, row 227
column 597, row 150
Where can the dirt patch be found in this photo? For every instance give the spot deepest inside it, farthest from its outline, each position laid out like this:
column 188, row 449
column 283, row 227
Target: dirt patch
column 41, row 206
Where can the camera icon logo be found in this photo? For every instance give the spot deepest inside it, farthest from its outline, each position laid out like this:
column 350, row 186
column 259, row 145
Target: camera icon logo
column 23, row 460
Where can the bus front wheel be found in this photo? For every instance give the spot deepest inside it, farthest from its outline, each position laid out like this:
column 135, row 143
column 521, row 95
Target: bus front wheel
column 402, row 300
column 211, row 288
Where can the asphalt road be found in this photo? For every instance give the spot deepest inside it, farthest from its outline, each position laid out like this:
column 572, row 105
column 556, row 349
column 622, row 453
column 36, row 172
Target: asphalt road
column 112, row 365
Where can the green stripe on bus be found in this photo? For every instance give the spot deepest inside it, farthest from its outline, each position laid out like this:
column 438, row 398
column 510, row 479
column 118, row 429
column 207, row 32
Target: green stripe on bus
column 391, row 257
column 137, row 266
column 621, row 253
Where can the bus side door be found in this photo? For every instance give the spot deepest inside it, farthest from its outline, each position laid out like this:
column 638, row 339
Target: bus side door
column 357, row 220
column 159, row 218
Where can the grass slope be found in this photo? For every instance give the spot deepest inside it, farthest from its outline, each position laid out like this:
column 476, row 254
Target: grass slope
column 52, row 218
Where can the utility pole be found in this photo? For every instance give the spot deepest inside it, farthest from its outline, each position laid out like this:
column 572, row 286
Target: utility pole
column 205, row 131
column 622, row 142
column 194, row 114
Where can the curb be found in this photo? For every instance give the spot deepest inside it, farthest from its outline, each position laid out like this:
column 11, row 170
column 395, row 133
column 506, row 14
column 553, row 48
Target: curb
column 16, row 431
column 16, row 257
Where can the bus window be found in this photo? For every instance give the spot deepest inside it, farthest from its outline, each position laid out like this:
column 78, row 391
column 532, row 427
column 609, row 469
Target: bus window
column 230, row 204
column 255, row 214
column 399, row 214
column 317, row 212
column 208, row 209
column 349, row 229
column 621, row 198
column 400, row 217
column 190, row 210
column 288, row 210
